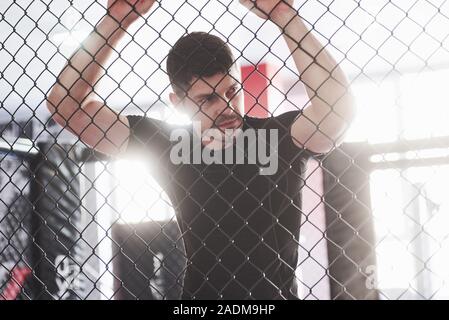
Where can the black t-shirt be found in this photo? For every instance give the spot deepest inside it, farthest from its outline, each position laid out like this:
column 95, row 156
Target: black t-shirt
column 240, row 228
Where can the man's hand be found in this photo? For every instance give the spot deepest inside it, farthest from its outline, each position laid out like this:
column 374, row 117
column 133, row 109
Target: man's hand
column 278, row 11
column 127, row 11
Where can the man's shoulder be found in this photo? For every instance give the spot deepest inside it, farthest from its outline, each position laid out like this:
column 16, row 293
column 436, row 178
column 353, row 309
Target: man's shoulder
column 280, row 121
column 146, row 124
column 137, row 120
column 150, row 135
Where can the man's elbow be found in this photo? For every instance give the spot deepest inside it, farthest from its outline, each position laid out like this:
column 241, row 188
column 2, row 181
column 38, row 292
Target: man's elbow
column 60, row 111
column 53, row 104
column 330, row 131
column 348, row 107
column 334, row 135
column 54, row 98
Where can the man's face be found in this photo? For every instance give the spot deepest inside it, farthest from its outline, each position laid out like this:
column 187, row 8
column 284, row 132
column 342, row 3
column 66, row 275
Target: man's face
column 216, row 101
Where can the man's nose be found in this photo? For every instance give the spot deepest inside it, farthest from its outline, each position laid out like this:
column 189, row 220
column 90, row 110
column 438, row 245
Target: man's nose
column 226, row 106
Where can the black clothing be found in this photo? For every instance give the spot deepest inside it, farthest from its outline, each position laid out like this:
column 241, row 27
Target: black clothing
column 240, row 228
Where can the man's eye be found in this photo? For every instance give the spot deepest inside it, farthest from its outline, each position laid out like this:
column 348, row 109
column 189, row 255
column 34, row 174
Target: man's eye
column 232, row 91
column 206, row 100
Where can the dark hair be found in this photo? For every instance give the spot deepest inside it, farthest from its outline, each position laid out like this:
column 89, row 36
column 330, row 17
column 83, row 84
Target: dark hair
column 197, row 54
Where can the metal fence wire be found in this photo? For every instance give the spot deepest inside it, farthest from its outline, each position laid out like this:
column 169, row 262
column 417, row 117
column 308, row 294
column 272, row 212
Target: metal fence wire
column 221, row 149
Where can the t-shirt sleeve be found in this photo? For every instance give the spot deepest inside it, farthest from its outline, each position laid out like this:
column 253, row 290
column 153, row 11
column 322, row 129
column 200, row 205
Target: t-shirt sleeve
column 148, row 137
column 286, row 144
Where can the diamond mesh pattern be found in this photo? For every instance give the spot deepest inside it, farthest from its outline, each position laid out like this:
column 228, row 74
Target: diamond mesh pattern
column 86, row 213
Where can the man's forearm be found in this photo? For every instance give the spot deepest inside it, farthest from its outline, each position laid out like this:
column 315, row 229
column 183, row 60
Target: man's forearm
column 81, row 73
column 326, row 84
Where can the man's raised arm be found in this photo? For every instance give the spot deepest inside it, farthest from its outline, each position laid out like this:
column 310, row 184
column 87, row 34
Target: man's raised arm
column 70, row 100
column 322, row 124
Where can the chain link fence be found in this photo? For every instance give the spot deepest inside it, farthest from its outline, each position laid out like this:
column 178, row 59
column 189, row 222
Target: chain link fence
column 116, row 118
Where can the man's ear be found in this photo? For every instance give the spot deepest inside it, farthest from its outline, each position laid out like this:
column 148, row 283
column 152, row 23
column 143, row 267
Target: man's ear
column 174, row 99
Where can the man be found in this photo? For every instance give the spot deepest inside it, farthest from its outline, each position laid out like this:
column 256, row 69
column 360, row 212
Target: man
column 240, row 227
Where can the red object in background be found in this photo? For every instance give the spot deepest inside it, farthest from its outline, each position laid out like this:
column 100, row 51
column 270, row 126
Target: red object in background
column 255, row 84
column 15, row 284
